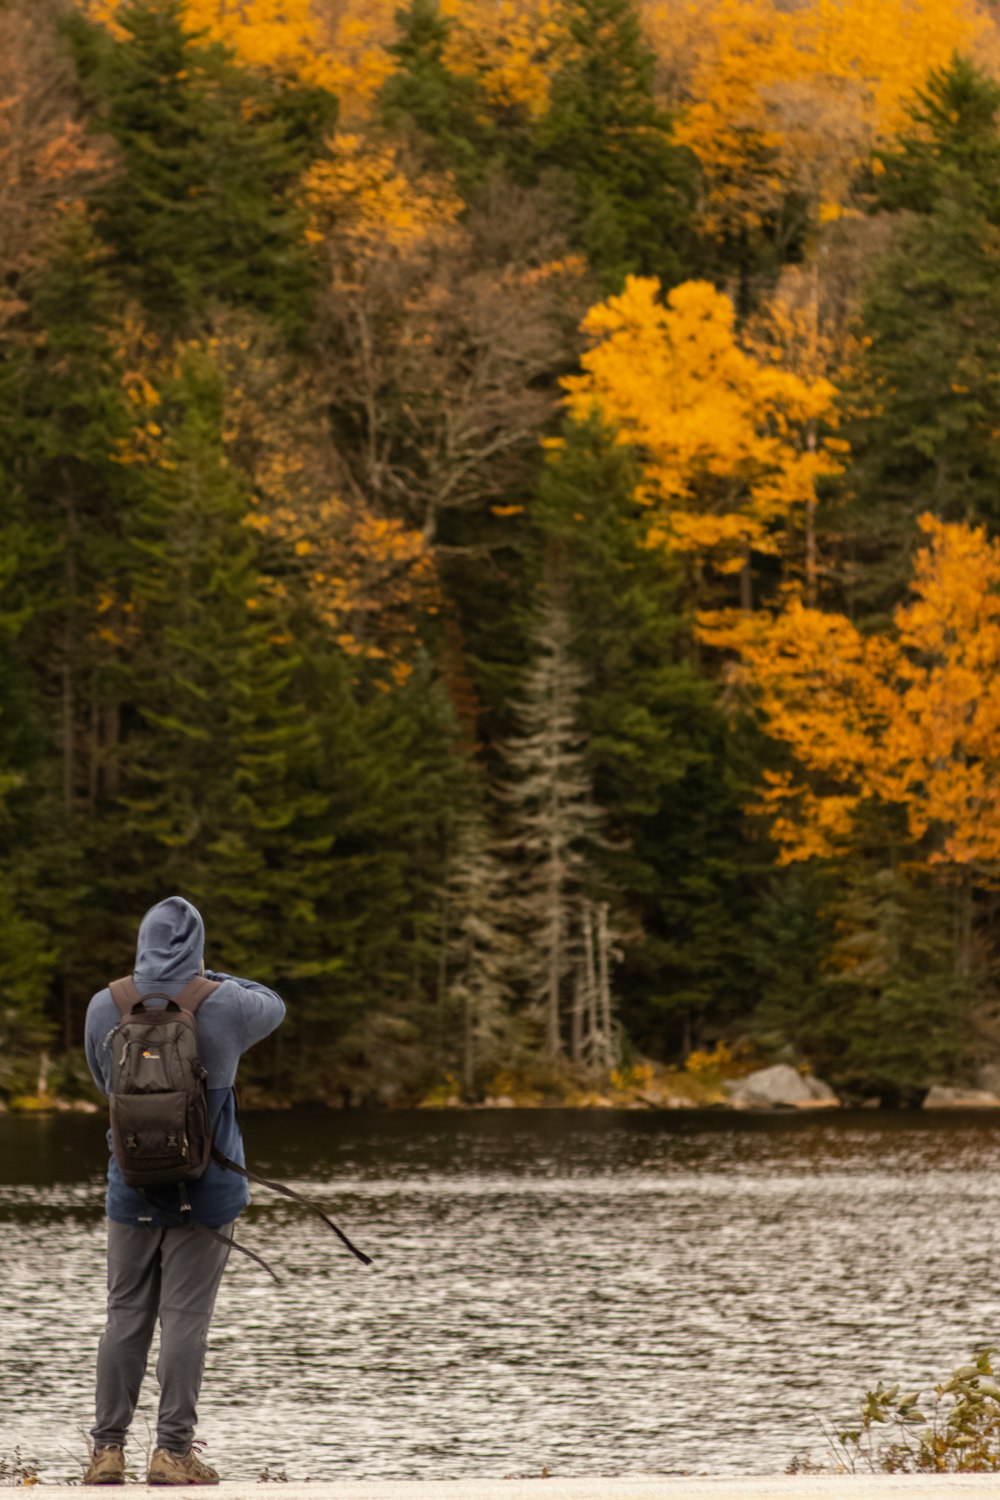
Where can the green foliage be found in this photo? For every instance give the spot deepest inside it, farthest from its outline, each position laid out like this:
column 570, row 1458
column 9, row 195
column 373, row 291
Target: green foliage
column 954, row 148
column 204, row 205
column 665, row 764
column 218, row 756
column 175, row 713
column 891, row 1007
column 444, row 118
column 925, row 406
column 892, row 1435
column 64, row 418
column 634, row 188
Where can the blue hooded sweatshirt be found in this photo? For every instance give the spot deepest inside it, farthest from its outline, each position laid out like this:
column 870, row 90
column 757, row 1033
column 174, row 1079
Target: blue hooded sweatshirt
column 169, row 952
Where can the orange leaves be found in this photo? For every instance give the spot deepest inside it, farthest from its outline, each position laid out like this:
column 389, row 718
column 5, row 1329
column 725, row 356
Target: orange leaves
column 720, row 431
column 365, row 576
column 909, row 718
column 788, row 99
column 362, row 196
column 509, row 46
column 47, row 160
column 337, row 45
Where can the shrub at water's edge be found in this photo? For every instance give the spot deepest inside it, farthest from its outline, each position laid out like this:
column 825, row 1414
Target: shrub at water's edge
column 954, row 1430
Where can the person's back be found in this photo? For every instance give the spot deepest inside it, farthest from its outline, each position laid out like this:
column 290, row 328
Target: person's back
column 158, row 1263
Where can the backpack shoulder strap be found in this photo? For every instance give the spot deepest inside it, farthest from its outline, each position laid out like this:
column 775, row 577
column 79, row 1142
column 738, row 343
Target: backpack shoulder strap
column 124, row 993
column 194, row 992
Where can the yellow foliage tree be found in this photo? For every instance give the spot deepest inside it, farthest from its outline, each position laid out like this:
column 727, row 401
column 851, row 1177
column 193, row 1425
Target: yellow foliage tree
column 793, row 99
column 335, row 46
column 364, row 577
column 508, row 46
column 360, row 193
column 723, row 434
column 908, row 719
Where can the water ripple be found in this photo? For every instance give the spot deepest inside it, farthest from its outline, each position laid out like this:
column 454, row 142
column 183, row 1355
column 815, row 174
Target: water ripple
column 604, row 1297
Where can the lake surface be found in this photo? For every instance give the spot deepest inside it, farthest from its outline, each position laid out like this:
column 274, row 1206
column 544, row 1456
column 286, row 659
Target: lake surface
column 599, row 1293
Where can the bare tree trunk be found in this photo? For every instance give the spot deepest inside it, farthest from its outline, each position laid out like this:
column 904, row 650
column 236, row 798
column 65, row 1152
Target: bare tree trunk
column 591, row 978
column 93, row 744
column 579, row 1000
column 69, row 660
column 555, row 964
column 468, row 1049
column 603, row 944
column 112, row 738
column 964, row 908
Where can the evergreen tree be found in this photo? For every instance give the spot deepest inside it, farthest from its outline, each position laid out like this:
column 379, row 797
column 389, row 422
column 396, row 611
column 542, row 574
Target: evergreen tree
column 925, row 405
column 605, row 131
column 553, row 817
column 477, row 958
column 205, row 204
column 892, row 1012
column 953, row 147
column 668, row 767
column 220, row 761
column 64, row 418
column 389, row 779
column 444, row 117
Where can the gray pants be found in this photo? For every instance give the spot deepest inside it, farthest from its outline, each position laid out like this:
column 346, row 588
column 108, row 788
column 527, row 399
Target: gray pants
column 172, row 1274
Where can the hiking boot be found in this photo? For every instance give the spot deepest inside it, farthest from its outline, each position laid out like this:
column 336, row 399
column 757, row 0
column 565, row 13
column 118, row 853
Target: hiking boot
column 107, row 1466
column 179, row 1468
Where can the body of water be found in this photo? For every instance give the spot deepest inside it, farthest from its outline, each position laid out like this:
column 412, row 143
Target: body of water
column 597, row 1293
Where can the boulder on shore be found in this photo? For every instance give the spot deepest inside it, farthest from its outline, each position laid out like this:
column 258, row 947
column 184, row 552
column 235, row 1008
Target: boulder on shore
column 940, row 1097
column 771, row 1088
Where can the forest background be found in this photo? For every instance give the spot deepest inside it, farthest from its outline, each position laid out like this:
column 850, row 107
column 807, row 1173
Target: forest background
column 500, row 506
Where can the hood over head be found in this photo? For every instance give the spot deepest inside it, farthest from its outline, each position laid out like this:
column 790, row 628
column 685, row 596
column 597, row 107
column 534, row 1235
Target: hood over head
column 171, row 943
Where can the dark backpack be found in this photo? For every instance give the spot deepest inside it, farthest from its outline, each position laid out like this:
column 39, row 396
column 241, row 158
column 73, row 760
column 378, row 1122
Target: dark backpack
column 157, row 1097
column 158, row 1101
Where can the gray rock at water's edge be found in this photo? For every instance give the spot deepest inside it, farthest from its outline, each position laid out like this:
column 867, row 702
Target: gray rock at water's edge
column 940, row 1097
column 988, row 1077
column 782, row 1084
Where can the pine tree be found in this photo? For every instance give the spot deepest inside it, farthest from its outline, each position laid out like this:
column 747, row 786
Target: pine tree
column 553, row 817
column 925, row 404
column 205, row 204
column 477, row 958
column 219, row 757
column 444, row 117
column 605, row 131
column 669, row 768
column 892, row 1010
column 64, row 416
column 389, row 778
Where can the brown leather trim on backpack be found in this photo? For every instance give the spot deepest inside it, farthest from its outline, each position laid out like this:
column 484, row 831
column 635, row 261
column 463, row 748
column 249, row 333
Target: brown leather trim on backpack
column 125, row 995
column 194, row 992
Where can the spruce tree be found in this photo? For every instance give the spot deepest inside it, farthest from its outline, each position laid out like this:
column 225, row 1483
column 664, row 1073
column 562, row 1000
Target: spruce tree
column 553, row 819
column 924, row 408
column 444, row 118
column 205, row 204
column 604, row 130
column 669, row 767
column 64, row 418
column 220, row 759
column 478, row 948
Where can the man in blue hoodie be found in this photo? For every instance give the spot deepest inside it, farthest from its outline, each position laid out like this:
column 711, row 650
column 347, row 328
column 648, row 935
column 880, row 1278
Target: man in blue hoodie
column 156, row 1268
